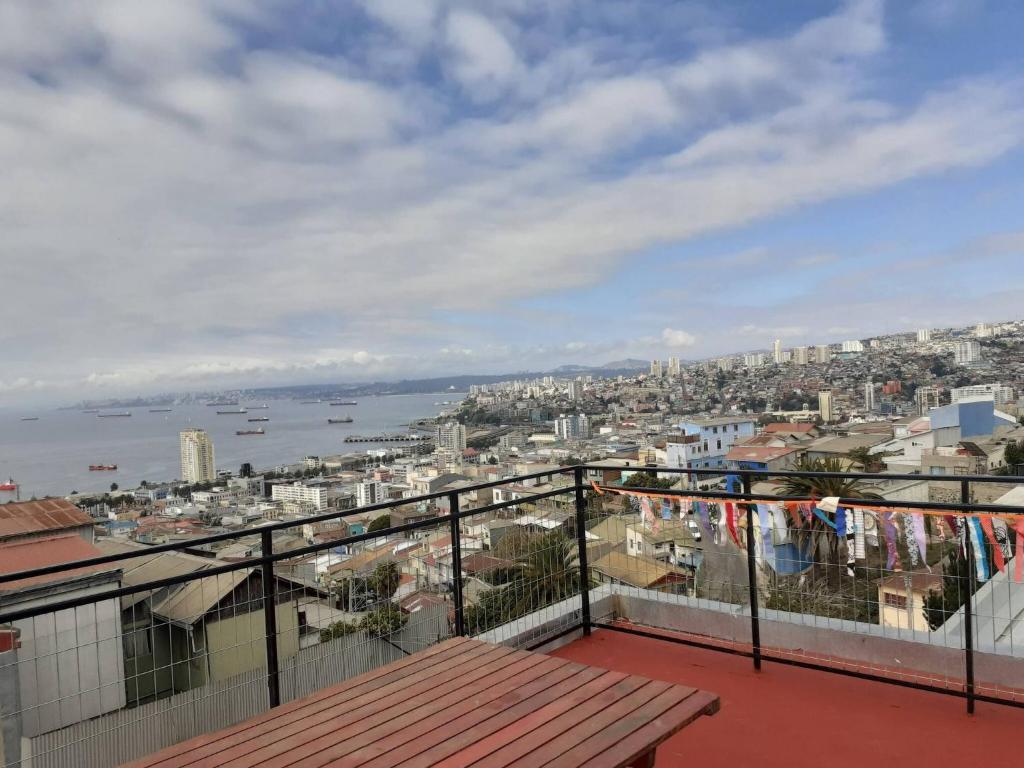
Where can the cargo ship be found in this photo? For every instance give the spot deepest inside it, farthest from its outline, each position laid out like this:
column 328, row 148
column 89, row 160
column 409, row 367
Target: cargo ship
column 223, row 402
column 91, row 410
column 260, row 418
column 30, row 418
column 346, row 420
column 231, row 413
column 160, row 410
column 112, row 415
column 103, row 467
column 10, row 485
column 344, row 402
column 310, row 402
column 250, row 431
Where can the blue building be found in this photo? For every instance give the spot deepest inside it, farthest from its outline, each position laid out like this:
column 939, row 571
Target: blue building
column 975, row 417
column 705, row 442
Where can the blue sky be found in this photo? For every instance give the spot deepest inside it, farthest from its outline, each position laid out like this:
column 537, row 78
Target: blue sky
column 203, row 193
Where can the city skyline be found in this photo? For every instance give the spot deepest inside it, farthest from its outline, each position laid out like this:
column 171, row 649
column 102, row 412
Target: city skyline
column 203, row 195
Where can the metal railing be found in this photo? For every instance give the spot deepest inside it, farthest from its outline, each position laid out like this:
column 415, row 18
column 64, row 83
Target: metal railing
column 552, row 578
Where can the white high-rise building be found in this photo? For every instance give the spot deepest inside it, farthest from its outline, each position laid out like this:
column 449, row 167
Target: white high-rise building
column 572, row 427
column 197, row 461
column 923, row 336
column 983, row 330
column 799, row 355
column 822, row 353
column 853, row 345
column 451, row 436
column 777, row 351
column 825, row 405
column 369, row 492
column 926, row 398
column 673, row 366
column 967, row 352
column 753, row 360
column 573, row 390
column 1001, row 394
column 869, row 396
column 656, row 368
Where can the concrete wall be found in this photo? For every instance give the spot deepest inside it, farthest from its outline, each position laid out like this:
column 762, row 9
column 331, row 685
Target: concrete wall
column 235, row 645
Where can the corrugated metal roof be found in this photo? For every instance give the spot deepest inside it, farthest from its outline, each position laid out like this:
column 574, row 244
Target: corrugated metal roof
column 150, row 566
column 20, row 518
column 190, row 603
column 38, row 552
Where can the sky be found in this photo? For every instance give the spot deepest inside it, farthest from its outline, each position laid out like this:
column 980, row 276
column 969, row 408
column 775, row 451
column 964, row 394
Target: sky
column 211, row 193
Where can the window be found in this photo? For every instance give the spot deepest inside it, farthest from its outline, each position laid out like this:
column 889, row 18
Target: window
column 714, row 430
column 719, row 446
column 735, row 427
column 895, row 600
column 136, row 643
column 705, row 445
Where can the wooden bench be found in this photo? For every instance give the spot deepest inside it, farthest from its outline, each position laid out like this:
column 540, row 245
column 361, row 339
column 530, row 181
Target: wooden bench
column 459, row 703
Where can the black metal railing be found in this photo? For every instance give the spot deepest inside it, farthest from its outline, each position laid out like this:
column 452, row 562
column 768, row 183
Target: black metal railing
column 465, row 616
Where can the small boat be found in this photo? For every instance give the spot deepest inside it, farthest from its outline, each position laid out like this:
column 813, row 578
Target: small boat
column 10, row 485
column 112, row 415
column 250, row 431
column 103, row 467
column 91, row 410
column 259, row 418
column 30, row 418
column 346, row 420
column 310, row 402
column 345, row 402
column 160, row 410
column 231, row 413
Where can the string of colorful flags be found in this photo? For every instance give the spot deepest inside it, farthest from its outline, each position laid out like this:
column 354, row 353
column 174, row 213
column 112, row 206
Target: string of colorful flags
column 898, row 527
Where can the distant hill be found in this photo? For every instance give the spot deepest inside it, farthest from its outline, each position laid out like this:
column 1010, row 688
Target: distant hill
column 631, row 364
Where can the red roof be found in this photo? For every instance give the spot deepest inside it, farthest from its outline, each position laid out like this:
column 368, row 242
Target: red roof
column 21, row 518
column 26, row 554
column 785, row 426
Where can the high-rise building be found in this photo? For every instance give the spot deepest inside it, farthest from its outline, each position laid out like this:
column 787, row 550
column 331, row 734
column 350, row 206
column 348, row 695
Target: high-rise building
column 753, row 360
column 451, row 436
column 673, row 366
column 725, row 363
column 825, row 405
column 656, row 368
column 923, row 336
column 967, row 352
column 853, row 345
column 869, row 396
column 983, row 330
column 197, row 462
column 926, row 398
column 573, row 390
column 1001, row 394
column 799, row 355
column 312, row 497
column 777, row 351
column 822, row 353
column 369, row 492
column 572, row 427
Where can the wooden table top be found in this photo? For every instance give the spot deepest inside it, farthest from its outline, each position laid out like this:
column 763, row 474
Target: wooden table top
column 459, row 703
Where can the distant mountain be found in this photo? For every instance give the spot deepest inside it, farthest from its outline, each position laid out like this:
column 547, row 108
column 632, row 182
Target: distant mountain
column 630, row 364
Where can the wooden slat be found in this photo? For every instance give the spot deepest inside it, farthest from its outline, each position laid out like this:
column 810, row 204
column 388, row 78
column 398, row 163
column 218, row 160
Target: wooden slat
column 528, row 741
column 353, row 705
column 430, row 713
column 649, row 736
column 472, row 748
column 588, row 740
column 395, row 669
column 427, row 749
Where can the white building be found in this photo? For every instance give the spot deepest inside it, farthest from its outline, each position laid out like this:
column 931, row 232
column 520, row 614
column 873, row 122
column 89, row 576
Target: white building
column 822, row 353
column 799, row 355
column 853, row 345
column 926, row 399
column 1000, row 393
column 197, row 460
column 310, row 496
column 923, row 336
column 572, row 427
column 967, row 352
column 777, row 351
column 451, row 436
column 673, row 366
column 825, row 405
column 869, row 396
column 656, row 368
column 753, row 360
column 983, row 331
column 369, row 492
column 573, row 391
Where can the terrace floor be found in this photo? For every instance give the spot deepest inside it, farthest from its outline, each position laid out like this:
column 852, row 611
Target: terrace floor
column 787, row 716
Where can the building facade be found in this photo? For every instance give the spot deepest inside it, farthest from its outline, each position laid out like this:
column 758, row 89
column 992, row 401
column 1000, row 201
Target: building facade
column 197, row 457
column 451, row 436
column 313, row 497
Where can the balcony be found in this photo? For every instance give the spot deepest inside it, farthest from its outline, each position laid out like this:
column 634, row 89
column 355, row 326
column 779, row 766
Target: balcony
column 806, row 647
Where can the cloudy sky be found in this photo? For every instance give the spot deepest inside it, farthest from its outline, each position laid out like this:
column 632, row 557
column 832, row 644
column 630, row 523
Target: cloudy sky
column 209, row 192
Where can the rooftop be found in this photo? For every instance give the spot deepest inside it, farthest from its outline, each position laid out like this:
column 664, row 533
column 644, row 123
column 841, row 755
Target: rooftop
column 790, row 717
column 22, row 518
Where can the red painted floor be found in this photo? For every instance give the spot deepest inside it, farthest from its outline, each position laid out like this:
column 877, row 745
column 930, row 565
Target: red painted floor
column 785, row 716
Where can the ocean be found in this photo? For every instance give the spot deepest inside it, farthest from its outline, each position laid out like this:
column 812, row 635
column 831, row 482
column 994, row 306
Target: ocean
column 51, row 456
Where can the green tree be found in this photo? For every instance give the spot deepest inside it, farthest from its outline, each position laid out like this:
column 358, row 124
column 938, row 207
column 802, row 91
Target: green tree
column 386, row 620
column 338, row 629
column 113, row 487
column 379, row 523
column 513, row 544
column 385, row 580
column 647, row 480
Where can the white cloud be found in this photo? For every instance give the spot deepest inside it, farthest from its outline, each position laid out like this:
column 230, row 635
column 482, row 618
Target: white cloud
column 484, row 60
column 676, row 338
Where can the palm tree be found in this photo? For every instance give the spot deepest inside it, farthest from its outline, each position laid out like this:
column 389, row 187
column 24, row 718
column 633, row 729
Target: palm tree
column 549, row 571
column 817, row 538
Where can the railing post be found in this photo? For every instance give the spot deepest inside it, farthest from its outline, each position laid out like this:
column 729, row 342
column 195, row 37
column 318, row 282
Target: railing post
column 453, row 514
column 270, row 617
column 965, row 498
column 581, row 545
column 755, row 621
